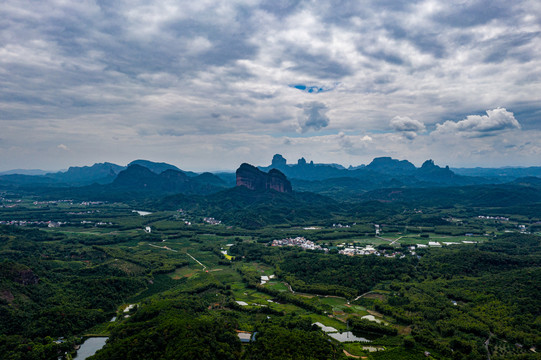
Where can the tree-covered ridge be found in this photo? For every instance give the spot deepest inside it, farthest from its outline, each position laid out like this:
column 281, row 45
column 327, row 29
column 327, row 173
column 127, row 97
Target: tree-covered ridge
column 175, row 328
column 291, row 340
column 52, row 288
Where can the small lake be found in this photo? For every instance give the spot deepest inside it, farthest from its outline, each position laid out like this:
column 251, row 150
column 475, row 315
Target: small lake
column 142, row 213
column 89, row 347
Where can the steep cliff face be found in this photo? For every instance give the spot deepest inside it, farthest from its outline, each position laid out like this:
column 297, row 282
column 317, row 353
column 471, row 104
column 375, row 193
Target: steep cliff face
column 277, row 181
column 251, row 177
column 255, row 179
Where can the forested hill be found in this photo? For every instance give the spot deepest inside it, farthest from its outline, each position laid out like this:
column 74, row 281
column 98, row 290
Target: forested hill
column 255, row 209
column 481, row 195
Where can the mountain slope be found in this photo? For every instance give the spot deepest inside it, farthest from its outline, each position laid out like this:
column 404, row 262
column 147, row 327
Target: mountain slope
column 101, row 173
column 142, row 179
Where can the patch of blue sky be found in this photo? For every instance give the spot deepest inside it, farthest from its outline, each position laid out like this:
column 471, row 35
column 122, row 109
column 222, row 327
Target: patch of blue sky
column 311, row 89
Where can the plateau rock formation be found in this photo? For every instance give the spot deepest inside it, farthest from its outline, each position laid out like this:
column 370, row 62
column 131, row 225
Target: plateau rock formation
column 254, row 179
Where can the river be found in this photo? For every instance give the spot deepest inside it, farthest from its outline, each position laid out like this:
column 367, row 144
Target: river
column 89, row 347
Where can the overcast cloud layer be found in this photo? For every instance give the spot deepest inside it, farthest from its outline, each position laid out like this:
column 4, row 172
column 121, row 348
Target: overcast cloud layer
column 207, row 85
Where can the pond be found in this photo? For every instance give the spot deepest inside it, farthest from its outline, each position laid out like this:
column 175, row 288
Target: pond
column 89, row 347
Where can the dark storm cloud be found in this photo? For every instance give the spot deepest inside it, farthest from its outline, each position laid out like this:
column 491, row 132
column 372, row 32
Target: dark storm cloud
column 314, row 116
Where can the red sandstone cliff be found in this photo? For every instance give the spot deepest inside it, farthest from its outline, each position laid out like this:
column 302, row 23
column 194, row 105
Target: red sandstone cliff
column 255, row 179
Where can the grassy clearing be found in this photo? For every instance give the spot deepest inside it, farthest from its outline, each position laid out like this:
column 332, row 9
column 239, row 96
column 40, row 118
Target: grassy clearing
column 227, row 276
column 276, row 285
column 260, row 268
column 184, row 272
column 355, row 349
column 328, row 321
column 251, row 296
column 341, row 308
column 334, row 302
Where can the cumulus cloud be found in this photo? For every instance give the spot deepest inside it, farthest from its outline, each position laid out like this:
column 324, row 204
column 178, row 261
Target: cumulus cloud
column 313, row 116
column 494, row 121
column 407, row 126
column 355, row 145
column 63, row 147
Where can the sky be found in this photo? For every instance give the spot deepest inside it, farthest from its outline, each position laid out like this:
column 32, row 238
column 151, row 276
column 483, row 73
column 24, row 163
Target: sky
column 208, row 84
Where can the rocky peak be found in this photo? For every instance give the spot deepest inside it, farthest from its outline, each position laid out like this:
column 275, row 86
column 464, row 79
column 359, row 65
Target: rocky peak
column 254, row 179
column 387, row 164
column 429, row 164
column 278, row 161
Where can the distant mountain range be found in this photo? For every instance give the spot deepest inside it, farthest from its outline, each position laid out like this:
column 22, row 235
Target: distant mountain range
column 287, row 193
column 384, row 172
column 170, row 181
column 503, row 174
column 24, row 172
column 99, row 173
column 333, row 180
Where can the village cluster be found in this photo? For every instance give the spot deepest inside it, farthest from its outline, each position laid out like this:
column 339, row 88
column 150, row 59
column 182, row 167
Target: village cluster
column 212, row 221
column 51, row 224
column 299, row 242
column 27, row 223
column 9, row 203
column 501, row 218
column 352, row 249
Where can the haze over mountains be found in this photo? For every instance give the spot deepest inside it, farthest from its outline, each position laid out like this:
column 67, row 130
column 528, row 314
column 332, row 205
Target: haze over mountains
column 281, row 193
column 384, row 180
column 382, row 172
